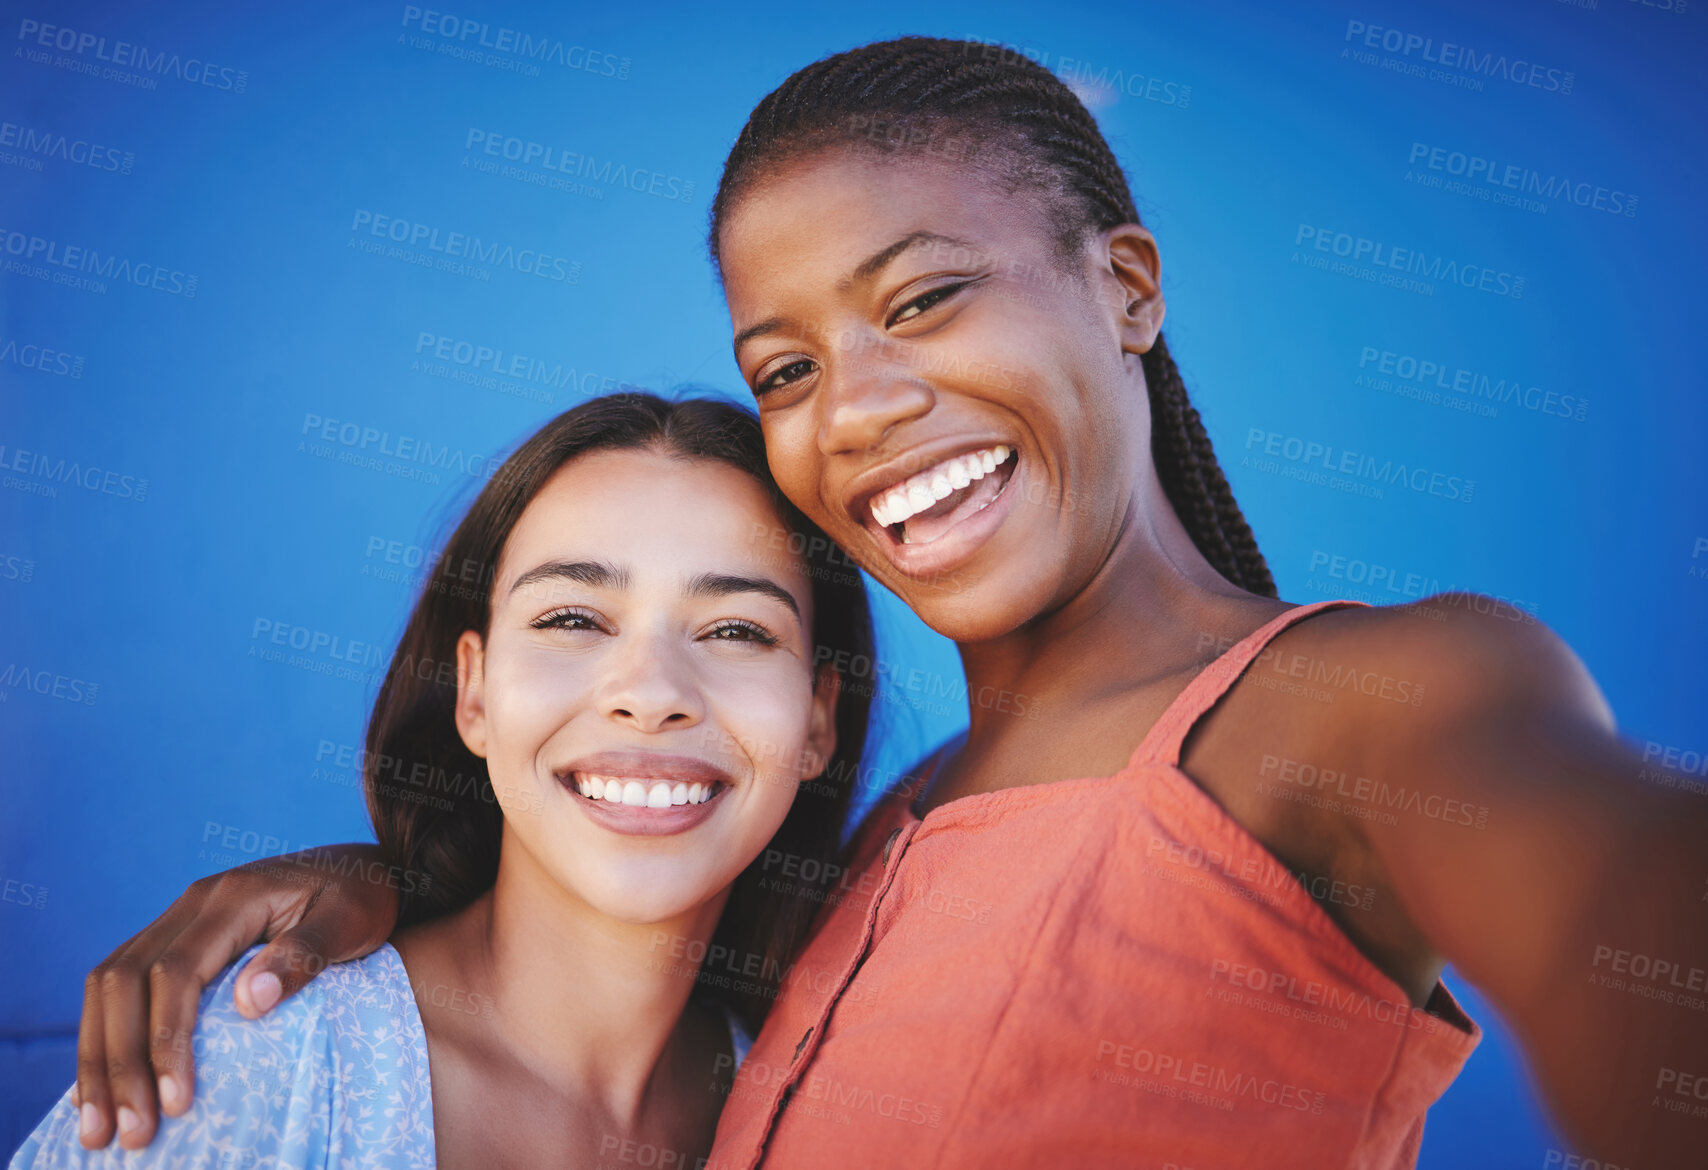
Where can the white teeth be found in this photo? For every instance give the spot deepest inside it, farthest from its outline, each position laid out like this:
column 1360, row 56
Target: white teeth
column 919, row 492
column 643, row 794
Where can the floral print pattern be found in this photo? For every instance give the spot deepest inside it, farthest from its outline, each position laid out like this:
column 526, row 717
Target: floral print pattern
column 335, row 1076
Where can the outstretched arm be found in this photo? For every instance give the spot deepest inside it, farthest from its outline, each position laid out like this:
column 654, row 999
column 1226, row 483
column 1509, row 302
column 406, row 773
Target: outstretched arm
column 134, row 1051
column 1579, row 906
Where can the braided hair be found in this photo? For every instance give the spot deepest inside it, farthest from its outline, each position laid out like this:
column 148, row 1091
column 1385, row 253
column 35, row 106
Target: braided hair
column 970, row 100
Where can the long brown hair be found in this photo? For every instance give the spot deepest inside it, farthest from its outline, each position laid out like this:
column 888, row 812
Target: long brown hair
column 431, row 799
column 893, row 95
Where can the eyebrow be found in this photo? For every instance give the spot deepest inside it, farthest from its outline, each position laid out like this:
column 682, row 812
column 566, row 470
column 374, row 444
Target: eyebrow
column 874, row 264
column 769, row 325
column 600, row 575
column 729, row 584
column 596, row 574
column 865, row 270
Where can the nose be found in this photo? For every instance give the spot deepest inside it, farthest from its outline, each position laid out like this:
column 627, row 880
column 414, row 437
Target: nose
column 649, row 686
column 868, row 396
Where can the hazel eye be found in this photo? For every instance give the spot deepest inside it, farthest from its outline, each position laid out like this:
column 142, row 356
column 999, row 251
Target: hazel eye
column 741, row 631
column 927, row 300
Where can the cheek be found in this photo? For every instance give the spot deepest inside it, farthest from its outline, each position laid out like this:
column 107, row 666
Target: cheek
column 768, row 714
column 791, row 447
column 529, row 695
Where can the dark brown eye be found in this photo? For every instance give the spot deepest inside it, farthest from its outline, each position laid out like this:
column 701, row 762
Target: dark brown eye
column 925, row 301
column 793, row 372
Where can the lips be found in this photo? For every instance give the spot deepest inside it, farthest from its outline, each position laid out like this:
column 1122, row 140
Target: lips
column 925, row 505
column 929, row 521
column 645, row 794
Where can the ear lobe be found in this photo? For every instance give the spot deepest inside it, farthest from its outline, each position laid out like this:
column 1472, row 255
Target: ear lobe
column 471, row 692
column 1137, row 270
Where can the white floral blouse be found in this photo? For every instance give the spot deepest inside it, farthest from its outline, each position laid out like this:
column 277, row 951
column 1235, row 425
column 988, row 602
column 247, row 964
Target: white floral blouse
column 336, row 1076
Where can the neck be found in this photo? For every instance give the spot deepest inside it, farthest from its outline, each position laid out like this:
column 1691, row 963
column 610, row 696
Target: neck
column 586, row 1003
column 1152, row 608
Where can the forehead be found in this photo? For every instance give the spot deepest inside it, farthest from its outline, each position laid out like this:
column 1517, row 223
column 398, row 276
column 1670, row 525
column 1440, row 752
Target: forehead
column 816, row 218
column 659, row 514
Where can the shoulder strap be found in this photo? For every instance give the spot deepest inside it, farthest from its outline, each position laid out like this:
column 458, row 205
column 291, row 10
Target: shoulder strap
column 1162, row 743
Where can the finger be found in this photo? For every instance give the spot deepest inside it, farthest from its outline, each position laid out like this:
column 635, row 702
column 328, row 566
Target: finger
column 174, row 994
column 331, row 923
column 283, row 967
column 123, row 988
column 95, row 1101
column 208, row 944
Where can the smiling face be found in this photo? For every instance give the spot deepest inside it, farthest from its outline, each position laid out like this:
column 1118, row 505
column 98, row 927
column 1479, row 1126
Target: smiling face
column 644, row 696
column 954, row 401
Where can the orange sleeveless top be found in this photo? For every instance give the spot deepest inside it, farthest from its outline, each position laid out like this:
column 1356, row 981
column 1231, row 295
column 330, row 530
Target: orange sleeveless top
column 1097, row 972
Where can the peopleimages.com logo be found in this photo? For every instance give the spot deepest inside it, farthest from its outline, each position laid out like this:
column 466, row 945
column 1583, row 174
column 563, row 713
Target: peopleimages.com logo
column 514, row 49
column 427, row 240
column 126, row 55
column 1504, row 176
column 1472, row 385
column 1376, row 254
column 82, row 266
column 1412, row 47
column 1311, row 461
column 531, row 156
column 36, row 144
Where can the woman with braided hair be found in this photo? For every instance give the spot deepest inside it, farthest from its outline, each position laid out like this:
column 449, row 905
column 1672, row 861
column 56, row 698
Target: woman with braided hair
column 1138, row 915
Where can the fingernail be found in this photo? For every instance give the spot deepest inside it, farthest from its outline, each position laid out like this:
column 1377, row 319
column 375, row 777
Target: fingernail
column 129, row 1122
column 171, row 1092
column 264, row 990
column 89, row 1119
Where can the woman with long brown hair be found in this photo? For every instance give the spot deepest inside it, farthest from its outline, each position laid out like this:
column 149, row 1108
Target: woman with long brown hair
column 636, row 627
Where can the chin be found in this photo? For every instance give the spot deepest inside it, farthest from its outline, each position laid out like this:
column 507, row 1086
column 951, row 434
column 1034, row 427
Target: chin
column 649, row 897
column 985, row 610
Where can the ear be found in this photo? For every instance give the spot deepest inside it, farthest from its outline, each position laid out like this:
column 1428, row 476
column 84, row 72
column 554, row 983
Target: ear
column 471, row 692
column 1136, row 285
column 821, row 735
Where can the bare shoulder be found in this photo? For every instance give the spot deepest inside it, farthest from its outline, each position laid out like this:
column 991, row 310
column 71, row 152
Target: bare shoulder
column 1441, row 660
column 1370, row 744
column 1466, row 651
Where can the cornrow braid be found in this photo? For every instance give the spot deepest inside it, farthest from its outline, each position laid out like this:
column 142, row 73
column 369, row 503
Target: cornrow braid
column 1028, row 125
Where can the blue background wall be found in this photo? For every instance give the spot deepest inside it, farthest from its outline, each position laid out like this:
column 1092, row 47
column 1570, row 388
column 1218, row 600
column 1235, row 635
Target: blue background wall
column 168, row 490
